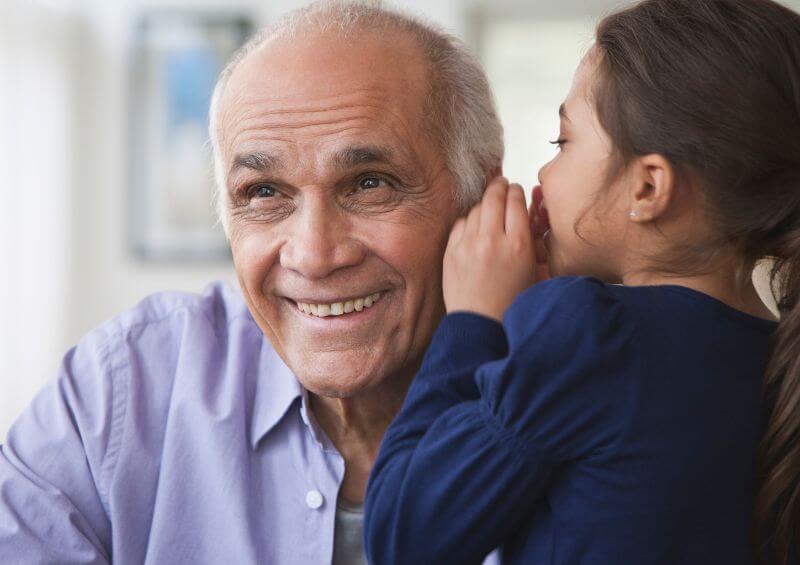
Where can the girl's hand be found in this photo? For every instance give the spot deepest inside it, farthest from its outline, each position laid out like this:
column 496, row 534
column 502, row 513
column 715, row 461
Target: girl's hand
column 490, row 256
column 540, row 225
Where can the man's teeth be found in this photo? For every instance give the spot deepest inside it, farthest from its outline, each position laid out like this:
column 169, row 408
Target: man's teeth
column 339, row 308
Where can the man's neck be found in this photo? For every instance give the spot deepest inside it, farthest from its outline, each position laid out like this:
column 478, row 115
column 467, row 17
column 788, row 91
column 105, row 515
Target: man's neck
column 356, row 426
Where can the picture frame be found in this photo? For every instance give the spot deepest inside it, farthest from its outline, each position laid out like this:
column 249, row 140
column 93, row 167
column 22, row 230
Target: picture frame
column 176, row 59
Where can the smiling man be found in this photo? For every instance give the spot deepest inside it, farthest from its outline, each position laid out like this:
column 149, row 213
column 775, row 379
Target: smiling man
column 242, row 425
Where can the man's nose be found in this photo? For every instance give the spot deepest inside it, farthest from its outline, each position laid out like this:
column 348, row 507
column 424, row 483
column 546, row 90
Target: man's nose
column 321, row 241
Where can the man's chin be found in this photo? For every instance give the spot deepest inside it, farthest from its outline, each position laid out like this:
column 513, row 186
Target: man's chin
column 337, row 386
column 337, row 374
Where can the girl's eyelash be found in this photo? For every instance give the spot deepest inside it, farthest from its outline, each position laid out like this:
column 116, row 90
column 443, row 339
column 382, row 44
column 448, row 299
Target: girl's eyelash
column 559, row 141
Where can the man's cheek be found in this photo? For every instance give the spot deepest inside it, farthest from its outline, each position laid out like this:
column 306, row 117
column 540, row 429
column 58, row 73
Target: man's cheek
column 255, row 254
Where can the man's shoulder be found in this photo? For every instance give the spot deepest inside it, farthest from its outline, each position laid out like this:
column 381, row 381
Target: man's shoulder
column 219, row 304
column 169, row 383
column 171, row 349
column 169, row 330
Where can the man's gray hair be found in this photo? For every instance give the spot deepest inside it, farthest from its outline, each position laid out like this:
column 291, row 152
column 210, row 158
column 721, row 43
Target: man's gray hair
column 460, row 105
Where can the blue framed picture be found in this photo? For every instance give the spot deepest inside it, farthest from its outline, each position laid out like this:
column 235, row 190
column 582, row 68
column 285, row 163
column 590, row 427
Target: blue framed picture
column 176, row 60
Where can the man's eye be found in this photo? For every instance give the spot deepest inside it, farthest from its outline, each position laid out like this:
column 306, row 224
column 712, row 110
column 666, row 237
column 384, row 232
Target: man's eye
column 369, row 183
column 262, row 191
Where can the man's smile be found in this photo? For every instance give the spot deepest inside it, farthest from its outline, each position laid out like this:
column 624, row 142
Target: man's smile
column 337, row 308
column 343, row 315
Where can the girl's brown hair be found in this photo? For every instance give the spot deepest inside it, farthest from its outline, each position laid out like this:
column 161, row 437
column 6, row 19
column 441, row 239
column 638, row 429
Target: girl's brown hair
column 714, row 86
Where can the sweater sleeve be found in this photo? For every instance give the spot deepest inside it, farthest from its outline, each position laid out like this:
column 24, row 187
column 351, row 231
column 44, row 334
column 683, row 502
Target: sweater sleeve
column 457, row 474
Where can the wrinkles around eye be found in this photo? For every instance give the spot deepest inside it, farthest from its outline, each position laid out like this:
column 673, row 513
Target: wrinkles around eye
column 266, row 201
column 263, row 213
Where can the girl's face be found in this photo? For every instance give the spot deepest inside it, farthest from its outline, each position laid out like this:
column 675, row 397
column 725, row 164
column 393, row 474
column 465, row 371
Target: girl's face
column 587, row 216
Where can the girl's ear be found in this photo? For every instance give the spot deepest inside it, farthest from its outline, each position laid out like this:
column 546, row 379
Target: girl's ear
column 653, row 187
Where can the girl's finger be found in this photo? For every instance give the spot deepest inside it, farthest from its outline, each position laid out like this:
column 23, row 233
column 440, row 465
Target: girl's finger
column 473, row 222
column 538, row 213
column 537, row 196
column 539, row 226
column 516, row 220
column 457, row 232
column 494, row 207
column 542, row 268
column 541, row 253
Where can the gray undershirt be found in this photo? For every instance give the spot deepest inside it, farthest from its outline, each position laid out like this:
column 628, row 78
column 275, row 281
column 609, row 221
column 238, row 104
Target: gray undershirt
column 348, row 547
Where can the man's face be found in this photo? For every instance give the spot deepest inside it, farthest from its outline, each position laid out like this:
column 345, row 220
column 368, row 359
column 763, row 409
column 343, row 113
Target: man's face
column 337, row 194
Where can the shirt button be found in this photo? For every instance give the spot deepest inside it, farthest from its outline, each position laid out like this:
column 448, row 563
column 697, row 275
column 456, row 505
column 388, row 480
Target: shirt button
column 314, row 499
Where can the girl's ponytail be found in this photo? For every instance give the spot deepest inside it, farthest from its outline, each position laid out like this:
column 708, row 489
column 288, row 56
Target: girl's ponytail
column 778, row 502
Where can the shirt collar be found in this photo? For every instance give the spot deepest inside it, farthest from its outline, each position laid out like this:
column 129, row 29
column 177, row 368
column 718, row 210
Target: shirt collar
column 276, row 389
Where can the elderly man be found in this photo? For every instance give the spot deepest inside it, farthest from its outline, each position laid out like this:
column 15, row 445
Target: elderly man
column 241, row 426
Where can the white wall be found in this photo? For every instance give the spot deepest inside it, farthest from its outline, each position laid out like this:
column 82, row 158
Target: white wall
column 35, row 220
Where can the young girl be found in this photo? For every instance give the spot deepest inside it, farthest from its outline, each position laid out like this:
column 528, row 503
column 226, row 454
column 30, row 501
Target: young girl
column 606, row 423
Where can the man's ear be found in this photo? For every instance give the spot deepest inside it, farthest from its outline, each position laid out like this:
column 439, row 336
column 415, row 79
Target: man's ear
column 653, row 186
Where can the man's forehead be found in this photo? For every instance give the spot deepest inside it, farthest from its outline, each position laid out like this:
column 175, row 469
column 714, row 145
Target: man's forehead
column 330, row 139
column 288, row 92
column 325, row 68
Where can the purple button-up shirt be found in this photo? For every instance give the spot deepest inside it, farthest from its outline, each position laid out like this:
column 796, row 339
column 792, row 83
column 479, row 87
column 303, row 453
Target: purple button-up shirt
column 173, row 433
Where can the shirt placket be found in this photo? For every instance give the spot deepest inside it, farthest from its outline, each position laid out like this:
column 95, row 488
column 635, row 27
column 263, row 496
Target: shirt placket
column 325, row 475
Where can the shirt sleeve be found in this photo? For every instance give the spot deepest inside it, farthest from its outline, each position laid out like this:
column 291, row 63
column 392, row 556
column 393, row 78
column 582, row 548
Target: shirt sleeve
column 56, row 459
column 456, row 475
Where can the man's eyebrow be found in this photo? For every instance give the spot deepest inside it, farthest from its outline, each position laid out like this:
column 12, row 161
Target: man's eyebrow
column 562, row 111
column 261, row 162
column 352, row 157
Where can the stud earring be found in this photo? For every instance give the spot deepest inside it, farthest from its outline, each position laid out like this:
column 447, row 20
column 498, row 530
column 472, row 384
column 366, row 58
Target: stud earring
column 632, row 214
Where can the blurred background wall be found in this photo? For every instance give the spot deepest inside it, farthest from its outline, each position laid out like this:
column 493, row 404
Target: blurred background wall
column 67, row 91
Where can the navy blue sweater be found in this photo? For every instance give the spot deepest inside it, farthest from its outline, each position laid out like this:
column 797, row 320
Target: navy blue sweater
column 599, row 424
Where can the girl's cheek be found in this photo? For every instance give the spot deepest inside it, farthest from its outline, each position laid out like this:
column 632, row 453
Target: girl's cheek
column 554, row 205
